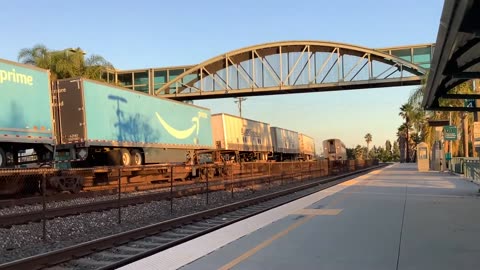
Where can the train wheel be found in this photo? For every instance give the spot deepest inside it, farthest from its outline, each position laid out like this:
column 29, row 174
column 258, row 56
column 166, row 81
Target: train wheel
column 3, row 158
column 126, row 157
column 137, row 158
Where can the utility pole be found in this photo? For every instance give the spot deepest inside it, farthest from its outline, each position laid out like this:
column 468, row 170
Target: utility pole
column 239, row 102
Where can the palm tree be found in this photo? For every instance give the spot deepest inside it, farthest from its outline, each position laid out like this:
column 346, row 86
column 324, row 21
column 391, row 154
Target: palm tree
column 402, row 142
column 407, row 113
column 65, row 63
column 38, row 56
column 368, row 139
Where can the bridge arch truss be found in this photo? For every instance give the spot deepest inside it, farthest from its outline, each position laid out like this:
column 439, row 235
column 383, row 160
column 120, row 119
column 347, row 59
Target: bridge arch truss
column 292, row 67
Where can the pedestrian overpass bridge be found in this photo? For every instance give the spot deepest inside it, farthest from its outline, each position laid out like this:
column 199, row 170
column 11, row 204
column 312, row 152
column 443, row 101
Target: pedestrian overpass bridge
column 283, row 67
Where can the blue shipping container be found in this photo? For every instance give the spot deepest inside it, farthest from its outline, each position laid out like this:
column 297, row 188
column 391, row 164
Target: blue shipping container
column 25, row 114
column 115, row 116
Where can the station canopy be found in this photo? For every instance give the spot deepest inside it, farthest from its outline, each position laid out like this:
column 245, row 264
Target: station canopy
column 457, row 54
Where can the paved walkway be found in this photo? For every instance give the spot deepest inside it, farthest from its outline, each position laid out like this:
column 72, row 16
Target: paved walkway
column 394, row 218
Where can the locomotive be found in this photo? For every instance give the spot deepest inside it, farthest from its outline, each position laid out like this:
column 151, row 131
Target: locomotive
column 334, row 150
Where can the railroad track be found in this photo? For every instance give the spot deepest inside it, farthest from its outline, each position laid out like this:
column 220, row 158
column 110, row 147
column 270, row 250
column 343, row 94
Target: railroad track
column 117, row 250
column 13, row 202
column 105, row 205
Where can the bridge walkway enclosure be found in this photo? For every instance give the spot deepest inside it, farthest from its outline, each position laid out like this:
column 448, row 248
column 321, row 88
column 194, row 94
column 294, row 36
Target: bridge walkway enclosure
column 283, row 67
column 392, row 218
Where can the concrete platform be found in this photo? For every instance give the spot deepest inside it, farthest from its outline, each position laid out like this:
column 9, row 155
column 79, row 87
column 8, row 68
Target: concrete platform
column 394, row 218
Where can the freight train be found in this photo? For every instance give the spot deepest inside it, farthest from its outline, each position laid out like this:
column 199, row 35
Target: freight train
column 86, row 123
column 82, row 123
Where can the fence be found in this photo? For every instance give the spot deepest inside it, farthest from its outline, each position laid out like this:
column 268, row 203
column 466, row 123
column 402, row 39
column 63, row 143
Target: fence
column 468, row 166
column 114, row 195
column 472, row 169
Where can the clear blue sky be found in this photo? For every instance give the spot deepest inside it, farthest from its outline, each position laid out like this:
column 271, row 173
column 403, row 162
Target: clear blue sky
column 142, row 34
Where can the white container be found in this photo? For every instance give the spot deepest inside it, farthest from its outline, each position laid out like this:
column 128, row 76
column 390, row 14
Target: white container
column 234, row 133
column 285, row 141
column 307, row 145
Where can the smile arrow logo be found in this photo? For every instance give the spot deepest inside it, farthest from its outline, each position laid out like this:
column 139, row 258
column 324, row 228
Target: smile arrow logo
column 180, row 134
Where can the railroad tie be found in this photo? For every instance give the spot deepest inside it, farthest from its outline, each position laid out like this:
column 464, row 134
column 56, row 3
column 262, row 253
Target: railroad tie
column 90, row 262
column 147, row 244
column 161, row 239
column 111, row 255
column 131, row 249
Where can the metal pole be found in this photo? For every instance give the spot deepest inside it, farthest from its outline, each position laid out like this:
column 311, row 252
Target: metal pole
column 309, row 171
column 240, row 106
column 251, row 176
column 44, row 207
column 251, row 170
column 292, row 172
column 281, row 174
column 239, row 101
column 269, row 175
column 171, row 190
column 301, row 169
column 119, row 195
column 449, row 142
column 207, row 186
column 231, row 178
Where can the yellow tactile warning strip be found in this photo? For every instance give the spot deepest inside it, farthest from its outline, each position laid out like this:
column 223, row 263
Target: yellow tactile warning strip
column 318, row 212
column 309, row 214
column 264, row 244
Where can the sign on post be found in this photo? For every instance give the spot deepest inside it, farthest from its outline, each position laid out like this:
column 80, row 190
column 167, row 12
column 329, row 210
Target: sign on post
column 450, row 133
column 469, row 103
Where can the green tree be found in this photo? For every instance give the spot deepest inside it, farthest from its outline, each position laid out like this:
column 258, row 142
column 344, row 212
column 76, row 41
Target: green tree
column 65, row 63
column 359, row 152
column 368, row 139
column 395, row 152
column 374, row 153
column 388, row 146
column 38, row 56
column 464, row 122
column 350, row 153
